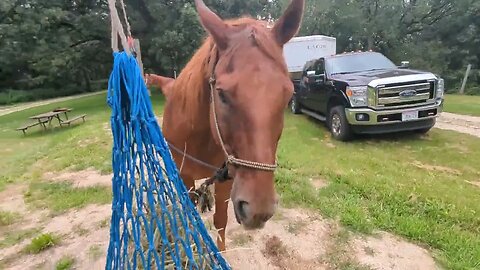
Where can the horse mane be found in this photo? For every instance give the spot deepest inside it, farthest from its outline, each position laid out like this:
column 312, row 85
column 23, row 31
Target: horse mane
column 191, row 87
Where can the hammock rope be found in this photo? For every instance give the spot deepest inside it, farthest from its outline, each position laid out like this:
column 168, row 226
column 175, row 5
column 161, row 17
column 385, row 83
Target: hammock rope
column 154, row 223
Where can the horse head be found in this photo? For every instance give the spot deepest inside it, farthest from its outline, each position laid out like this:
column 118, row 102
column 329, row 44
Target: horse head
column 250, row 88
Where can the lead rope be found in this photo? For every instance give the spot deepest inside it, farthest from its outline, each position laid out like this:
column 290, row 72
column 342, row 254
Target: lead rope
column 117, row 29
column 230, row 158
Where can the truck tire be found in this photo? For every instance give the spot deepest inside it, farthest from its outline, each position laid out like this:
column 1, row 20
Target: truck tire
column 338, row 124
column 294, row 105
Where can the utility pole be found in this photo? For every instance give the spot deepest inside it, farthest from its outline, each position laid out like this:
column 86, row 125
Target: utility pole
column 464, row 83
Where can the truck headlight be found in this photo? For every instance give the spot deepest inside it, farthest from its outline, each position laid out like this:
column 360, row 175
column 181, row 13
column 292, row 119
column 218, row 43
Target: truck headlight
column 440, row 88
column 357, row 95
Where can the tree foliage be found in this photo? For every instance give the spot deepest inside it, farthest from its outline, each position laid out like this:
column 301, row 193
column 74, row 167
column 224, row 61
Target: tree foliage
column 55, row 47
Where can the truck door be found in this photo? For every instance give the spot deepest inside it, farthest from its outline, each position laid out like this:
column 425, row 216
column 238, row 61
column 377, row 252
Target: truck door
column 317, row 93
column 304, row 87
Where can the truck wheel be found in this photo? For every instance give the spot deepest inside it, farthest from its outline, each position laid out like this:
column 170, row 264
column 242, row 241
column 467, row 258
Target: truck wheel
column 294, row 105
column 338, row 124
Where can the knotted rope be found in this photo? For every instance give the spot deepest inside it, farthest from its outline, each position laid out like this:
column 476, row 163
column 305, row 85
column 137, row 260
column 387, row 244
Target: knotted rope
column 154, row 224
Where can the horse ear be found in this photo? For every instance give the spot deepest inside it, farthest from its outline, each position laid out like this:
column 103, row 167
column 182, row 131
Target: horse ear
column 288, row 25
column 164, row 83
column 213, row 24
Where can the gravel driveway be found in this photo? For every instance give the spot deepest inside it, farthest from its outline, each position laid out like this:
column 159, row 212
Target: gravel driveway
column 460, row 123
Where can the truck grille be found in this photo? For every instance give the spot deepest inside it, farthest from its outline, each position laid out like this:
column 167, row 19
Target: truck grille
column 405, row 94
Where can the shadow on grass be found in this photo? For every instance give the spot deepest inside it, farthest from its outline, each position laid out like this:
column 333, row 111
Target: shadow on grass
column 41, row 132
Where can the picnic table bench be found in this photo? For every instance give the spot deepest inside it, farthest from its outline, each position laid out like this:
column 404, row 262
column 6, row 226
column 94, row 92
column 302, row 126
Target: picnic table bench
column 24, row 128
column 44, row 118
column 68, row 122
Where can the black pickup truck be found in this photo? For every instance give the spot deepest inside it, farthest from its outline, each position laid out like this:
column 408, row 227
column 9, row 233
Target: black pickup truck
column 365, row 92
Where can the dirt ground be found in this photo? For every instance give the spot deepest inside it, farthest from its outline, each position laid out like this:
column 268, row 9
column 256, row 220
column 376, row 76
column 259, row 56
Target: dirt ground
column 293, row 239
column 460, row 123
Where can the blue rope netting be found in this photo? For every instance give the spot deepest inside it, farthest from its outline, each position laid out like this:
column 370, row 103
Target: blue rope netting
column 154, row 223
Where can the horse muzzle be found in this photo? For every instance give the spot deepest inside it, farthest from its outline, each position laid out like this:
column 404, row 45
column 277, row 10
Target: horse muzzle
column 250, row 218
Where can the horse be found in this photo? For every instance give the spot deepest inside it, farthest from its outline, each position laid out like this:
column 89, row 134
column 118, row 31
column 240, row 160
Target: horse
column 226, row 110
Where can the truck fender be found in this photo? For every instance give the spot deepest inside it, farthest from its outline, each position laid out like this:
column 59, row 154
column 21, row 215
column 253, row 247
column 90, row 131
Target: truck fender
column 338, row 99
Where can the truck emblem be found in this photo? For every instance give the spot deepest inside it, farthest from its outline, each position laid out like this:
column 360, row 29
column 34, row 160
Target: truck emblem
column 408, row 93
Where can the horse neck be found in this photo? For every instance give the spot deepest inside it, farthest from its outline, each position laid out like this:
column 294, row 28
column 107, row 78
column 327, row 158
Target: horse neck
column 191, row 98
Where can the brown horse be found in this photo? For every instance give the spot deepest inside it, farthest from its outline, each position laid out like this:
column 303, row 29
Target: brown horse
column 227, row 106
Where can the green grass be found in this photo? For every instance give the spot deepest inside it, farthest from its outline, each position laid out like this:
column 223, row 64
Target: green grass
column 65, row 263
column 60, row 197
column 414, row 186
column 41, row 243
column 95, row 252
column 375, row 184
column 26, row 158
column 7, row 218
column 14, row 237
column 462, row 104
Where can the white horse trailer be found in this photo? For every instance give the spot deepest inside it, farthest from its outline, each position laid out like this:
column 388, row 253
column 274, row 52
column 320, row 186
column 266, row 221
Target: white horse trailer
column 299, row 50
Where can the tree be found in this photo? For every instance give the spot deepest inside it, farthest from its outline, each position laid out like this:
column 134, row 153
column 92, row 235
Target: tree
column 56, row 47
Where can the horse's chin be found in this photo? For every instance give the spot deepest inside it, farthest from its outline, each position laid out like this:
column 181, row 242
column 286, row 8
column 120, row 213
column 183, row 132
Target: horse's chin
column 251, row 227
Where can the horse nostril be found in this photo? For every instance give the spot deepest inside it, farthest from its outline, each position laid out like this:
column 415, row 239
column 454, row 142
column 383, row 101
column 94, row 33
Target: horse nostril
column 242, row 209
column 266, row 217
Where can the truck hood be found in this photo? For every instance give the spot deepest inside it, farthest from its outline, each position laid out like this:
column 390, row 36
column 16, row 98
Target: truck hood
column 377, row 77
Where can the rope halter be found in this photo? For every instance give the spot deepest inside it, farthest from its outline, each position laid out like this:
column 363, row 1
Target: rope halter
column 231, row 159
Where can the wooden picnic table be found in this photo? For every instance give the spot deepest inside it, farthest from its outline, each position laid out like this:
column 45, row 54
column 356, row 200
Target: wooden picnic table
column 43, row 118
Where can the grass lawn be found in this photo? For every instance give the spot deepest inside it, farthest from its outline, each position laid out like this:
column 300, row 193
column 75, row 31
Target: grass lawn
column 25, row 158
column 462, row 104
column 420, row 187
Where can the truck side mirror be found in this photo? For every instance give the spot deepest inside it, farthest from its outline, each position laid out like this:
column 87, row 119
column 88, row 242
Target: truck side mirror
column 311, row 73
column 313, row 78
column 405, row 64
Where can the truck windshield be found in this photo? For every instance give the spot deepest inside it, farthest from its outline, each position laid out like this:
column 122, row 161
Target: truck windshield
column 344, row 64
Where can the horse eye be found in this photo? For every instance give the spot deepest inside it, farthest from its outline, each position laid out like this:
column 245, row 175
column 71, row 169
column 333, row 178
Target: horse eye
column 222, row 96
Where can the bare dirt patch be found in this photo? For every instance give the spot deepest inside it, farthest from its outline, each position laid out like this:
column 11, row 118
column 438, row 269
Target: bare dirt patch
column 294, row 239
column 107, row 128
column 436, row 168
column 330, row 145
column 89, row 141
column 71, row 244
column 79, row 179
column 318, row 183
column 11, row 199
column 474, row 183
column 386, row 251
column 460, row 123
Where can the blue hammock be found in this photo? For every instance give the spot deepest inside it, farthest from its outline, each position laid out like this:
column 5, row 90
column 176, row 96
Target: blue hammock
column 154, row 223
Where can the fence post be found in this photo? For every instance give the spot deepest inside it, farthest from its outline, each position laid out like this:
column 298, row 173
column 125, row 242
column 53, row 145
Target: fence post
column 464, row 82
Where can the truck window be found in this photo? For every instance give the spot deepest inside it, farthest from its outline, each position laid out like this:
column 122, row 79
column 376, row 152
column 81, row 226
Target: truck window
column 320, row 67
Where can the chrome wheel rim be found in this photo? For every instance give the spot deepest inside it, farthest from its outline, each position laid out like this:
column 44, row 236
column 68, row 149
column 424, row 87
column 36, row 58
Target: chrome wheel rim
column 336, row 124
column 293, row 105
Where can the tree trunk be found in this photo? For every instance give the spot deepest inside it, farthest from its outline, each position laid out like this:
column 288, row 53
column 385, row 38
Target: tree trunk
column 86, row 78
column 371, row 43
